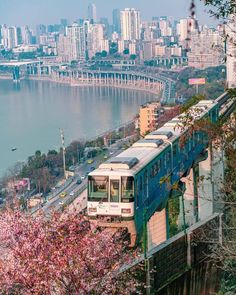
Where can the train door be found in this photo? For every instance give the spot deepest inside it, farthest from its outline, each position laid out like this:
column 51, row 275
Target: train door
column 115, row 189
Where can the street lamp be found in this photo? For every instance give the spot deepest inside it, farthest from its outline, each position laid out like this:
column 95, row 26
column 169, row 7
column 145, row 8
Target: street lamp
column 63, row 152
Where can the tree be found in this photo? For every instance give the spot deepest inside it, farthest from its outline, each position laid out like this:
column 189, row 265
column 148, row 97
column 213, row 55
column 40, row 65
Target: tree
column 27, row 55
column 74, row 63
column 113, row 48
column 219, row 8
column 104, row 53
column 98, row 54
column 133, row 56
column 126, row 51
column 62, row 255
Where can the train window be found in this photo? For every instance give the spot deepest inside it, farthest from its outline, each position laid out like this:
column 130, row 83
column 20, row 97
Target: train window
column 213, row 115
column 152, row 172
column 159, row 163
column 127, row 189
column 168, row 157
column 164, row 160
column 114, row 191
column 98, row 189
column 175, row 149
column 155, row 169
column 140, row 183
column 145, row 178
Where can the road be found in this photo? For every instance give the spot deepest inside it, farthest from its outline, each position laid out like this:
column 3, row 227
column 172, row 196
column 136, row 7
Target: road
column 77, row 191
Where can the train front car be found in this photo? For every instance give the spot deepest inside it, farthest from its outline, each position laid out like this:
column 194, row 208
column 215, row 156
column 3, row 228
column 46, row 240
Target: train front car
column 111, row 195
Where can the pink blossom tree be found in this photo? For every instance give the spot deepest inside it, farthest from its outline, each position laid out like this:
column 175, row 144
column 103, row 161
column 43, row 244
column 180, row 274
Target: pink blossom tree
column 60, row 255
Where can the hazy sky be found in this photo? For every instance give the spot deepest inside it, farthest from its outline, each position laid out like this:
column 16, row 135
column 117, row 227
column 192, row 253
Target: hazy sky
column 20, row 12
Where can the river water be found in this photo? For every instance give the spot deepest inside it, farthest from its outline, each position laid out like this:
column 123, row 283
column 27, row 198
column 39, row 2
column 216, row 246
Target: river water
column 32, row 113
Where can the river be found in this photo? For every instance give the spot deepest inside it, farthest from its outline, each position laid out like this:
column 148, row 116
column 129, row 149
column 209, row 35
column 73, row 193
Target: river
column 32, row 113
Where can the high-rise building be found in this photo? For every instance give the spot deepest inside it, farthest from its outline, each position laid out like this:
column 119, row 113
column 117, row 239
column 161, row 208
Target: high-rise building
column 75, row 34
column 19, row 36
column 63, row 48
column 11, row 37
column 40, row 30
column 132, row 48
column 64, row 22
column 130, row 24
column 4, row 36
column 206, row 49
column 105, row 22
column 92, row 13
column 116, row 20
column 0, row 34
column 72, row 46
column 231, row 52
column 185, row 28
column 86, row 28
column 26, row 35
column 121, row 46
column 80, row 21
column 96, row 39
column 165, row 27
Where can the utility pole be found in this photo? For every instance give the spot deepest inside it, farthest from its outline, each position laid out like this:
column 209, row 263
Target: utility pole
column 63, row 152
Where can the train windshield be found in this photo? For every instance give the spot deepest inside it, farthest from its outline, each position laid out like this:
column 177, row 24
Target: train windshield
column 98, row 188
column 127, row 194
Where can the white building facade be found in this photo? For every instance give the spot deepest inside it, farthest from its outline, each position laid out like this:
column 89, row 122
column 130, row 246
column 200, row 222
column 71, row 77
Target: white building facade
column 130, row 24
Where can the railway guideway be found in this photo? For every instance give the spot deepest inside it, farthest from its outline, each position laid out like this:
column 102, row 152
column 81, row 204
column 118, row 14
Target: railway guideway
column 196, row 200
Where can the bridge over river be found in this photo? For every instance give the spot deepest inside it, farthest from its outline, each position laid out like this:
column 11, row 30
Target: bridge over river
column 162, row 86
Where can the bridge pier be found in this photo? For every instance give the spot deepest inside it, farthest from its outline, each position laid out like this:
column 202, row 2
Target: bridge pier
column 201, row 198
column 211, row 178
column 16, row 74
column 189, row 200
column 206, row 188
column 157, row 229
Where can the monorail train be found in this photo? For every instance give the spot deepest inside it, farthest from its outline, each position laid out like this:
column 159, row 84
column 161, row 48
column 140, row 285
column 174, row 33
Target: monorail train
column 126, row 186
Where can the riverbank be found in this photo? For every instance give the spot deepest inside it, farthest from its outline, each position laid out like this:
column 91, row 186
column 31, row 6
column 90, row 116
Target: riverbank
column 74, row 83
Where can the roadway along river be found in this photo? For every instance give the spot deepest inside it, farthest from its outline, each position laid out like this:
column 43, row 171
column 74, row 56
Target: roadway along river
column 32, row 113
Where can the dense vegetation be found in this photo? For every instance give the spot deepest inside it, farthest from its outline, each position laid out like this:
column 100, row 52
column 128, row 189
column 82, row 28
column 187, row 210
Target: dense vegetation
column 215, row 82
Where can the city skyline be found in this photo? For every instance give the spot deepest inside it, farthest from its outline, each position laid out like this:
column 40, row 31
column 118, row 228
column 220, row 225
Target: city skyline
column 45, row 12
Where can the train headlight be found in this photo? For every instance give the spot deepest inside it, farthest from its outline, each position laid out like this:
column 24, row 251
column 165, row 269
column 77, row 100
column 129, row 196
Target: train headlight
column 92, row 209
column 127, row 211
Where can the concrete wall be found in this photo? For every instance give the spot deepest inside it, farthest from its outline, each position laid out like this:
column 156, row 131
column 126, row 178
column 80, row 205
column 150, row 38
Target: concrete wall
column 178, row 266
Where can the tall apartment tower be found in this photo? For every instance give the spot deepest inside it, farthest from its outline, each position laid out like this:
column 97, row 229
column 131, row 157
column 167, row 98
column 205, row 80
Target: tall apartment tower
column 75, row 39
column 96, row 39
column 4, row 35
column 185, row 28
column 231, row 51
column 26, row 35
column 92, row 13
column 12, row 37
column 130, row 24
column 116, row 20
